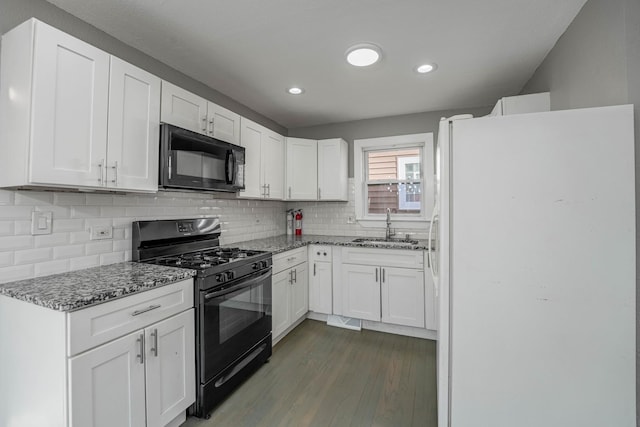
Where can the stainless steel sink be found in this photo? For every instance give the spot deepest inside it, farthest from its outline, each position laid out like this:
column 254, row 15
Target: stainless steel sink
column 385, row 242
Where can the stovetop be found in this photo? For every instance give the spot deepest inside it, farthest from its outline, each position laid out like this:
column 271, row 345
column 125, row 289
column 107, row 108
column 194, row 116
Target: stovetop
column 202, row 260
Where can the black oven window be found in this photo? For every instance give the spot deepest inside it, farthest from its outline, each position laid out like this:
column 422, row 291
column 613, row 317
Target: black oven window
column 200, row 165
column 239, row 311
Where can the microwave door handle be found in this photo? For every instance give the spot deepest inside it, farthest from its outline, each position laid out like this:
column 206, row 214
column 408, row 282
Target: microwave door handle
column 230, row 167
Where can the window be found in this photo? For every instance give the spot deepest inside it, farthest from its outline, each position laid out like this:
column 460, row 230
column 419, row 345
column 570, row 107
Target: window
column 394, row 173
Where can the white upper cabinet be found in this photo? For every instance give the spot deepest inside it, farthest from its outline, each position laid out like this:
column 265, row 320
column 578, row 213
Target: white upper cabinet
column 302, row 169
column 55, row 106
column 223, row 124
column 134, row 128
column 189, row 111
column 264, row 162
column 333, row 171
column 183, row 109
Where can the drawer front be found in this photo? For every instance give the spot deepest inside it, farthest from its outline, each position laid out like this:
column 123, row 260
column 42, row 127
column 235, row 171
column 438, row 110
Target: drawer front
column 384, row 257
column 288, row 259
column 104, row 322
column 320, row 253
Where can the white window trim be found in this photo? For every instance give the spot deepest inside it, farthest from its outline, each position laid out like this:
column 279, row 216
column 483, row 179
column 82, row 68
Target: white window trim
column 425, row 140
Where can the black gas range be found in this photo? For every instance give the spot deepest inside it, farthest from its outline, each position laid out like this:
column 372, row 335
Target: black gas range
column 232, row 300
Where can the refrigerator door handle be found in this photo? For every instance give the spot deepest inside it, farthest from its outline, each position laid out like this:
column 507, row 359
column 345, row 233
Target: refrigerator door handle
column 430, row 250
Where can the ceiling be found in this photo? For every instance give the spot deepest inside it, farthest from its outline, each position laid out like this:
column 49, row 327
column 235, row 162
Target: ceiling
column 253, row 50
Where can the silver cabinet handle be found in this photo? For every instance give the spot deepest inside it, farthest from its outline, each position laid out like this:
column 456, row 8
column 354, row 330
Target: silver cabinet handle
column 264, row 190
column 268, row 190
column 383, row 274
column 319, row 194
column 204, row 124
column 314, row 268
column 291, row 277
column 376, row 275
column 169, row 167
column 144, row 310
column 115, row 171
column 289, row 192
column 295, row 275
column 140, row 341
column 101, row 166
column 154, row 343
column 211, row 126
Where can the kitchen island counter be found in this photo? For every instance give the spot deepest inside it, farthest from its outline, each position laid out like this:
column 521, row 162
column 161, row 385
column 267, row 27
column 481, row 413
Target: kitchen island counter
column 83, row 288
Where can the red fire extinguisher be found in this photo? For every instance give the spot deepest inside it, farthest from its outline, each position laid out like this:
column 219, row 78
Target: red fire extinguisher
column 298, row 223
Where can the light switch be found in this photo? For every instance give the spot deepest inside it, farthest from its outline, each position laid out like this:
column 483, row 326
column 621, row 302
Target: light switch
column 41, row 222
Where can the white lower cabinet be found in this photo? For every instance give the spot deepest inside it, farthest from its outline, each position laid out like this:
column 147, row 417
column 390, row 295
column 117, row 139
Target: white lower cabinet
column 290, row 290
column 321, row 279
column 384, row 285
column 128, row 362
column 146, row 378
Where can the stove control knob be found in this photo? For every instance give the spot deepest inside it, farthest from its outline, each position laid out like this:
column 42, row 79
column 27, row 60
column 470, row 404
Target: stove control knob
column 255, row 266
column 230, row 275
column 264, row 264
column 219, row 278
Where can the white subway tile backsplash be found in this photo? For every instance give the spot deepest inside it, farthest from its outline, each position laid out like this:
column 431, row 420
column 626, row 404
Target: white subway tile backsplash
column 12, row 243
column 111, row 258
column 85, row 212
column 15, row 212
column 31, row 256
column 6, row 228
column 51, row 267
column 79, row 236
column 33, row 198
column 9, row 274
column 6, row 259
column 62, row 225
column 50, row 240
column 99, row 199
column 68, row 251
column 99, row 247
column 84, row 262
column 69, row 199
column 6, row 197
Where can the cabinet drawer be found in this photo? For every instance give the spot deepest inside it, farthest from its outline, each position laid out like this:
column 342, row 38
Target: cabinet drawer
column 383, row 257
column 320, row 253
column 289, row 259
column 104, row 322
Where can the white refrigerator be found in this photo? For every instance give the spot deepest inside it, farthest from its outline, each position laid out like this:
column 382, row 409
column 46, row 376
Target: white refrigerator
column 535, row 269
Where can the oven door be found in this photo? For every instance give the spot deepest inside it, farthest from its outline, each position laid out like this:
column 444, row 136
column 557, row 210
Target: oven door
column 193, row 161
column 233, row 320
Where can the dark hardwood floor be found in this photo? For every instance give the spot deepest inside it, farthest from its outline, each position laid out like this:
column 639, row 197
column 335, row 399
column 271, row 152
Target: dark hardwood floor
column 320, row 375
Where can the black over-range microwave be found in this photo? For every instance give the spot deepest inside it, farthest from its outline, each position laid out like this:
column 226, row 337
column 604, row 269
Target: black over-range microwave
column 191, row 161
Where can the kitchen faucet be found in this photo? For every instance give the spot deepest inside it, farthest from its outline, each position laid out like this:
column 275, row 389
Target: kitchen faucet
column 389, row 233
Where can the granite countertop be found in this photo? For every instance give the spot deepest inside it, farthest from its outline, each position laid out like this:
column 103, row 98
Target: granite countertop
column 285, row 243
column 82, row 288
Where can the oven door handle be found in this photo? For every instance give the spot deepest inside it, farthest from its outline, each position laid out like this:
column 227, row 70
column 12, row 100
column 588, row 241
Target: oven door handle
column 244, row 284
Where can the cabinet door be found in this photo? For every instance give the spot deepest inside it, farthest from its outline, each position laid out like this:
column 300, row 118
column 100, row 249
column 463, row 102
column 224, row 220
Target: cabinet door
column 320, row 288
column 170, row 364
column 273, row 164
column 299, row 292
column 281, row 305
column 183, row 108
column 223, row 124
column 134, row 128
column 107, row 385
column 302, row 169
column 251, row 140
column 70, row 99
column 333, row 171
column 361, row 291
column 403, row 296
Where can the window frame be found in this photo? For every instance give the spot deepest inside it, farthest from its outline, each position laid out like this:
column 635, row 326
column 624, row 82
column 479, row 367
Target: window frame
column 423, row 141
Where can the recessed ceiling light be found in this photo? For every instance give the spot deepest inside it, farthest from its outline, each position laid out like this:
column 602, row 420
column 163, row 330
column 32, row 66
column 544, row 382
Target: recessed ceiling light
column 295, row 90
column 426, row 68
column 363, row 55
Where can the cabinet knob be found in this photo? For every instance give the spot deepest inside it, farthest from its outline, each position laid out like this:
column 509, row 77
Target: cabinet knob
column 325, row 254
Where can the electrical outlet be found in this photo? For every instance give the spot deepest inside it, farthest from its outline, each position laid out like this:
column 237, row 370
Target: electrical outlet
column 101, row 232
column 351, row 219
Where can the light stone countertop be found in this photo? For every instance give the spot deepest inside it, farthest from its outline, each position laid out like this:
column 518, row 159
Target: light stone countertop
column 83, row 288
column 285, row 243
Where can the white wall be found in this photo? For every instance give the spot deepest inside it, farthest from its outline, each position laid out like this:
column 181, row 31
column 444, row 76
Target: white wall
column 69, row 248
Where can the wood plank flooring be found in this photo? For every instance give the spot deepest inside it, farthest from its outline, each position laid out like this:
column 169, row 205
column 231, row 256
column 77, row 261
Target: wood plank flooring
column 321, row 376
